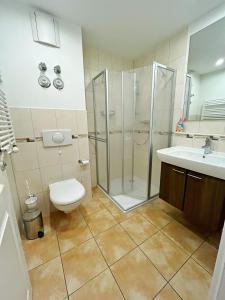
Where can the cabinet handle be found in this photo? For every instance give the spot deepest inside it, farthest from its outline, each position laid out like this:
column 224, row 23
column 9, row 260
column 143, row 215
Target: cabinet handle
column 193, row 176
column 178, row 171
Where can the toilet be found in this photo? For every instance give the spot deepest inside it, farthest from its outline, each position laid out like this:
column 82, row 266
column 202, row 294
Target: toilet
column 66, row 195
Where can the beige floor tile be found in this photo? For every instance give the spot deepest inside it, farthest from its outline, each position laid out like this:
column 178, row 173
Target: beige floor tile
column 35, row 250
column 192, row 282
column 181, row 218
column 90, row 206
column 114, row 243
column 156, row 216
column 167, row 293
column 118, row 214
column 48, row 224
column 100, row 221
column 214, row 239
column 206, row 256
column 62, row 221
column 185, row 238
column 161, row 204
column 102, row 287
column 81, row 264
column 48, row 281
column 137, row 277
column 139, row 228
column 165, row 254
column 75, row 234
column 104, row 200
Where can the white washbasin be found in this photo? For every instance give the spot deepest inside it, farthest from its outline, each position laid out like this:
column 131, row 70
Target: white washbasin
column 212, row 164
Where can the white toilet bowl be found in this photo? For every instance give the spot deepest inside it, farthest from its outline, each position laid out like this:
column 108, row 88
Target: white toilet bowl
column 66, row 195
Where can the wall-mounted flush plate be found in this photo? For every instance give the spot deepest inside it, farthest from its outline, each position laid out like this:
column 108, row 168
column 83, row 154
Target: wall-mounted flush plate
column 57, row 137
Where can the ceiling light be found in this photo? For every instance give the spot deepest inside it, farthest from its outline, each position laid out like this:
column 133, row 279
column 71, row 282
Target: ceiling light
column 219, row 61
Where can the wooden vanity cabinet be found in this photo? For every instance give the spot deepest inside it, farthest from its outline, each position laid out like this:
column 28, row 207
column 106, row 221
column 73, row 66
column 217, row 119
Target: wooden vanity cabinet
column 201, row 197
column 204, row 200
column 172, row 185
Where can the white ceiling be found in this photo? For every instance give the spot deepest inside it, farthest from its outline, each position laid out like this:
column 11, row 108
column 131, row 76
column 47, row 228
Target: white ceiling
column 128, row 28
column 206, row 47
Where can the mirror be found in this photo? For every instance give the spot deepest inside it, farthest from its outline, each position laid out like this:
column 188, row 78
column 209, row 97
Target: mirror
column 205, row 79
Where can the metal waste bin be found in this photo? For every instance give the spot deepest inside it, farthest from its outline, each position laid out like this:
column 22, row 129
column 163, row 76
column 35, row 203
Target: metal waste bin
column 32, row 219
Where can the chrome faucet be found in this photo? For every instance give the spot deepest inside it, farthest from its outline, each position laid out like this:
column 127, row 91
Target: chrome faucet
column 207, row 147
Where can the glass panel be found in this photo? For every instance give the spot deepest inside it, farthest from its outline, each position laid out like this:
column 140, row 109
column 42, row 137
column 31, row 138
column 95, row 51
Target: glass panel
column 99, row 89
column 115, row 131
column 102, row 164
column 161, row 127
column 128, row 103
column 137, row 103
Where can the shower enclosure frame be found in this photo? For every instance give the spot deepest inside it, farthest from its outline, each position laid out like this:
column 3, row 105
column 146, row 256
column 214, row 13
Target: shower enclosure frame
column 95, row 137
column 155, row 66
column 104, row 73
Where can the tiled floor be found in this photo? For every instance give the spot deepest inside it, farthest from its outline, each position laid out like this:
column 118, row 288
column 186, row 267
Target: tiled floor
column 98, row 252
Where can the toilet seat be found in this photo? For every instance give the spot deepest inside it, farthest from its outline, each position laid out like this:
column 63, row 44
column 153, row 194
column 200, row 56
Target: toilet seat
column 66, row 192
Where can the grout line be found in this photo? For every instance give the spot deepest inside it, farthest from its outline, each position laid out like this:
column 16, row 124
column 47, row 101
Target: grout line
column 106, row 262
column 62, row 266
column 47, row 261
column 136, row 246
column 73, row 248
column 159, row 230
column 175, row 291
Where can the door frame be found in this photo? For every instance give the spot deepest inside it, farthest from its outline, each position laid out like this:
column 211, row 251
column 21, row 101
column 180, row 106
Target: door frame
column 155, row 66
column 104, row 73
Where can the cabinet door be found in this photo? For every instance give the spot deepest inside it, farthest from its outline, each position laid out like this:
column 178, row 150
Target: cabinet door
column 14, row 280
column 204, row 200
column 172, row 185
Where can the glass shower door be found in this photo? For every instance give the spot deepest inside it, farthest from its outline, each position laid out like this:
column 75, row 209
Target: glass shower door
column 162, row 118
column 100, row 92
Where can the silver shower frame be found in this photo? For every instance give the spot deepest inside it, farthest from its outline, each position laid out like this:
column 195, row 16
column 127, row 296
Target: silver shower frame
column 95, row 137
column 155, row 65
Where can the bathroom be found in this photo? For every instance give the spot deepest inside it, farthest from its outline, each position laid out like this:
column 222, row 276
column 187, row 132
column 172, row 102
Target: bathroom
column 116, row 150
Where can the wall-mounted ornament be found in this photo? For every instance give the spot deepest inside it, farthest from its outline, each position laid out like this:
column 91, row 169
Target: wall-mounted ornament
column 57, row 82
column 43, row 80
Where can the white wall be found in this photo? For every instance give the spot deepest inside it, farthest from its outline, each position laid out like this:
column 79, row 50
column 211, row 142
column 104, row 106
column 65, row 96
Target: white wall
column 20, row 57
column 212, row 86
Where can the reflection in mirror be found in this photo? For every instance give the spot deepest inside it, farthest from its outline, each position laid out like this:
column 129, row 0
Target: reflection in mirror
column 205, row 79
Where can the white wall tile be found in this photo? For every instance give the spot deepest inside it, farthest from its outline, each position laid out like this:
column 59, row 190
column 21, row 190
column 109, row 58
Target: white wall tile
column 34, row 179
column 66, row 119
column 83, row 148
column 22, row 122
column 43, row 119
column 50, row 174
column 71, row 170
column 178, row 45
column 44, row 203
column 162, row 53
column 191, row 126
column 81, row 118
column 70, row 153
column 212, row 127
column 26, row 158
column 48, row 156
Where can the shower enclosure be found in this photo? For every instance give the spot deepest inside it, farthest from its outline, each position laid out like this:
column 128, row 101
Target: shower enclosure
column 133, row 118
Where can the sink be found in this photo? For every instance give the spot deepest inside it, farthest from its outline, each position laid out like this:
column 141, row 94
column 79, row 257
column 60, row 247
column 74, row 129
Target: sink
column 212, row 164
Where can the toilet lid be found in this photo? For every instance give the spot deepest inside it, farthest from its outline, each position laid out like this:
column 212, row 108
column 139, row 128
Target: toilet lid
column 66, row 192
